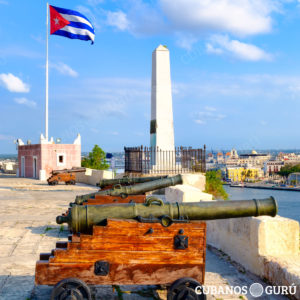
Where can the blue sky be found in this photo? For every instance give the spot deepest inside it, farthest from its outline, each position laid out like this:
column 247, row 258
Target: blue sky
column 234, row 64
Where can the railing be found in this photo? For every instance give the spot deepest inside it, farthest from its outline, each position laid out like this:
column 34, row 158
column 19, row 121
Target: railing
column 147, row 160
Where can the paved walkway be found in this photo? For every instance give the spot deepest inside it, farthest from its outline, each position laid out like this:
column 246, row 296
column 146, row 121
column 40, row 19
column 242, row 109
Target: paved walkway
column 27, row 227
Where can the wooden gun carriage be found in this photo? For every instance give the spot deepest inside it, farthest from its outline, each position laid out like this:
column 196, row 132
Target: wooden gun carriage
column 127, row 252
column 134, row 243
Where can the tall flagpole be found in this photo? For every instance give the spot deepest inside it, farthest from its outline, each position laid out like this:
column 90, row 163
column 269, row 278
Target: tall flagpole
column 47, row 69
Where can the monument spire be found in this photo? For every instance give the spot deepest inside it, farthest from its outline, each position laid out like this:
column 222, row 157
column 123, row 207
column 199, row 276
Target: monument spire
column 161, row 126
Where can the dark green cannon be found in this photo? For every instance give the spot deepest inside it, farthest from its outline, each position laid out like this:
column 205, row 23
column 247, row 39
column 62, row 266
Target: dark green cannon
column 136, row 189
column 82, row 218
column 127, row 180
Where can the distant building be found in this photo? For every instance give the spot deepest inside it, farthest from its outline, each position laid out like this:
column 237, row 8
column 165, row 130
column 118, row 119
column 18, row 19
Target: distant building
column 220, row 158
column 254, row 158
column 38, row 160
column 233, row 154
column 294, row 179
column 289, row 157
column 210, row 158
column 9, row 167
column 234, row 174
column 238, row 174
column 227, row 156
column 273, row 166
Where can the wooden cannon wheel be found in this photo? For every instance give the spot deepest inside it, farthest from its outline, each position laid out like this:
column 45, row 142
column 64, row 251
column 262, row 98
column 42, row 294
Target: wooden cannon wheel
column 184, row 289
column 71, row 289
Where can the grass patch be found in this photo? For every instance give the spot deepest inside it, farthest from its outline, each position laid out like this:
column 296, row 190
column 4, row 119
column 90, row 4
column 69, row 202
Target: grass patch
column 48, row 228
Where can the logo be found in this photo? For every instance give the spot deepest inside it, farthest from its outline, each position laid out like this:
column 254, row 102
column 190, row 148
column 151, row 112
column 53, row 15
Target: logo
column 256, row 290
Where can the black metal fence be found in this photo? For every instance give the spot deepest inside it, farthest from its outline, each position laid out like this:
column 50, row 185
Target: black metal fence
column 147, row 160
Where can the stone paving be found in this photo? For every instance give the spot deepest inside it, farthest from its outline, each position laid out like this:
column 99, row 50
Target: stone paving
column 27, row 227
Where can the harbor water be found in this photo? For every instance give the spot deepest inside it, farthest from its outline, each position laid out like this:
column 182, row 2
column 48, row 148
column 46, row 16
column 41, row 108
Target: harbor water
column 288, row 201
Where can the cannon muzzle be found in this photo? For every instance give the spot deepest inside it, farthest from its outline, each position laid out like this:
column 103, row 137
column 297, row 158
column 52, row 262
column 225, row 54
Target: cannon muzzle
column 82, row 218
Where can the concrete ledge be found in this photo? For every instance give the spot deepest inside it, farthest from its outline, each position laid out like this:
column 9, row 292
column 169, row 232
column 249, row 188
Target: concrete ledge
column 93, row 177
column 185, row 193
column 249, row 240
column 266, row 246
column 195, row 180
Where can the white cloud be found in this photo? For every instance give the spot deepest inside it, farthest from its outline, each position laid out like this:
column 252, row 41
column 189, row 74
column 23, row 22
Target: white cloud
column 4, row 137
column 191, row 20
column 138, row 17
column 106, row 97
column 222, row 44
column 19, row 50
column 4, row 2
column 94, row 2
column 201, row 122
column 238, row 17
column 25, row 101
column 209, row 114
column 263, row 123
column 210, row 108
column 213, row 50
column 118, row 19
column 14, row 83
column 186, row 41
column 114, row 133
column 64, row 69
column 242, row 87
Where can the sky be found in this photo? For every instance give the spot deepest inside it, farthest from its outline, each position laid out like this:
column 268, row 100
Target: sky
column 235, row 72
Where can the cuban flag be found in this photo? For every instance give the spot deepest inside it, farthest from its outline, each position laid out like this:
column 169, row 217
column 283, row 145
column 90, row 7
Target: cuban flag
column 71, row 24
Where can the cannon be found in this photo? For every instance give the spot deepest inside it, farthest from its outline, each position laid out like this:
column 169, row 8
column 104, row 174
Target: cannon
column 82, row 218
column 67, row 175
column 154, row 243
column 105, row 183
column 137, row 189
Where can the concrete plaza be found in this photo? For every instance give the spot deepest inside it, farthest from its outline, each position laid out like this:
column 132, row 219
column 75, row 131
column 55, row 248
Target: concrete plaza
column 28, row 209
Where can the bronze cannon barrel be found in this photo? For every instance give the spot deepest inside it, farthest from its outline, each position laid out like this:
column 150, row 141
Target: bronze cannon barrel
column 136, row 189
column 82, row 218
column 128, row 180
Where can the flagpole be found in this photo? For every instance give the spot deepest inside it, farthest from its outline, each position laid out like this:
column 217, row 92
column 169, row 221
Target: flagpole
column 47, row 70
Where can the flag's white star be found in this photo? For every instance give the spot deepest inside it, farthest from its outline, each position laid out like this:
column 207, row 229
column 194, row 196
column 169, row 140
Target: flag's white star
column 56, row 21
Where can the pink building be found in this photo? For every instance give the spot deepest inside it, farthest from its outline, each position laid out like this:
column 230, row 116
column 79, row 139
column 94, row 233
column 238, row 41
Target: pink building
column 38, row 160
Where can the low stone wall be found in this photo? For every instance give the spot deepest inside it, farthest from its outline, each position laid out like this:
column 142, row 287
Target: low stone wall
column 185, row 193
column 248, row 240
column 266, row 246
column 93, row 177
column 190, row 191
column 196, row 180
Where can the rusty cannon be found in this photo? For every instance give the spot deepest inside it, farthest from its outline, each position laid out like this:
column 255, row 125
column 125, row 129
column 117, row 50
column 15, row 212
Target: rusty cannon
column 82, row 218
column 67, row 175
column 105, row 183
column 123, row 191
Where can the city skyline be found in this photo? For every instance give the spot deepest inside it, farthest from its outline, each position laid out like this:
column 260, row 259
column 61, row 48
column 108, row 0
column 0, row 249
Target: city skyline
column 234, row 70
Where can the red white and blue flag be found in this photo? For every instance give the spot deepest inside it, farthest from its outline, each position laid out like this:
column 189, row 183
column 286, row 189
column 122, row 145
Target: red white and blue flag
column 71, row 24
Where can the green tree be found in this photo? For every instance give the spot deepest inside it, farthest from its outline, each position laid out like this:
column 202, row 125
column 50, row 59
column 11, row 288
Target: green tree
column 214, row 185
column 288, row 169
column 95, row 160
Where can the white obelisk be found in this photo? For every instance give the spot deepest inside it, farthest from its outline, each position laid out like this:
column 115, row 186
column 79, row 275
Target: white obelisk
column 161, row 126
